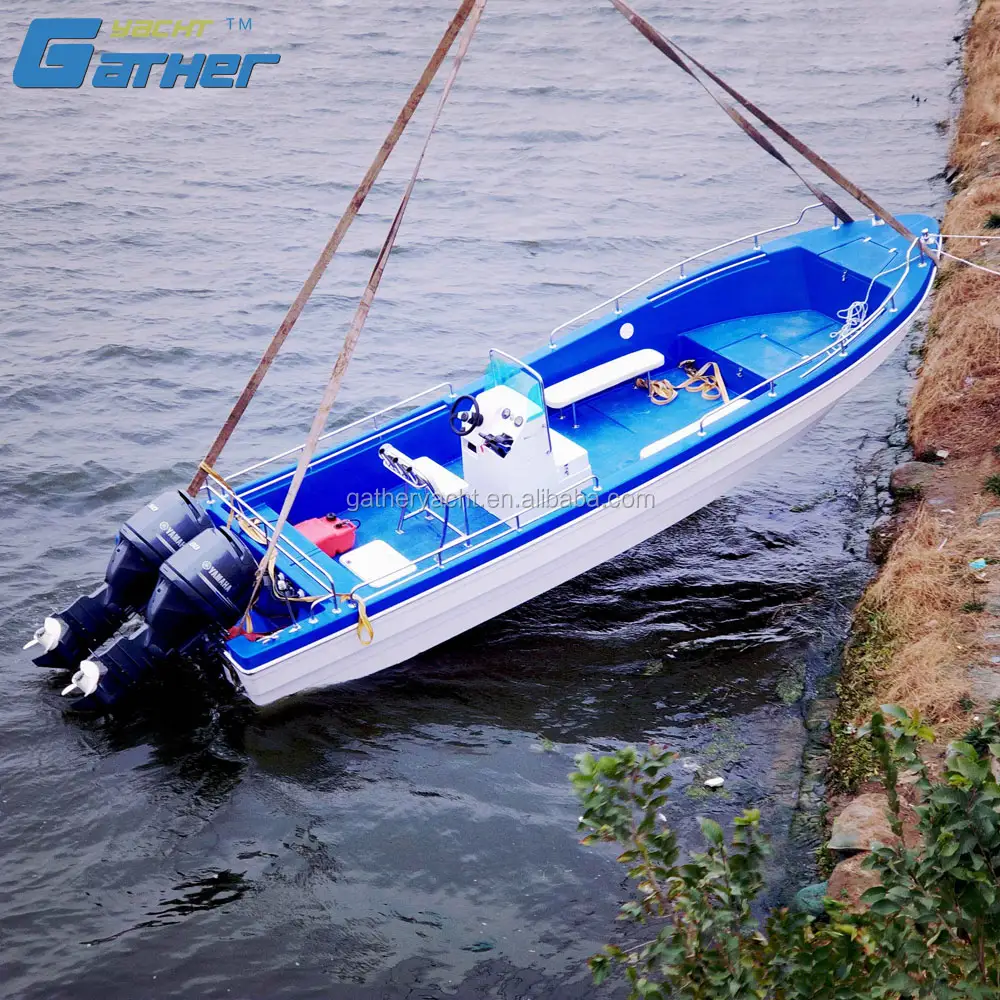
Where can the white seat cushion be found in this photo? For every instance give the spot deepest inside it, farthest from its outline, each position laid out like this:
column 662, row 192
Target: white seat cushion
column 595, row 380
column 445, row 485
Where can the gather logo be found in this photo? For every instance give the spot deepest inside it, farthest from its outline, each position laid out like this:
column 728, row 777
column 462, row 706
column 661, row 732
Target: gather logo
column 48, row 60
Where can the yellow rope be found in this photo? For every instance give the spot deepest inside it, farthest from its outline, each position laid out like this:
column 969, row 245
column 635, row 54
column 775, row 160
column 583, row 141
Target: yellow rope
column 707, row 380
column 364, row 623
column 660, row 390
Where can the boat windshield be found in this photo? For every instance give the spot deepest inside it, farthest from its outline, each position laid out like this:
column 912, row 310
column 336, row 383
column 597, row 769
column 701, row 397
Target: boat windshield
column 508, row 371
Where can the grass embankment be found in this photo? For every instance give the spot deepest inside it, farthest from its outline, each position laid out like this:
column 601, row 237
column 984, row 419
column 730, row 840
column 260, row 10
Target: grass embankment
column 922, row 632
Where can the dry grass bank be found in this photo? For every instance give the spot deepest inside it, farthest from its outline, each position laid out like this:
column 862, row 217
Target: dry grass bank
column 926, row 619
column 955, row 402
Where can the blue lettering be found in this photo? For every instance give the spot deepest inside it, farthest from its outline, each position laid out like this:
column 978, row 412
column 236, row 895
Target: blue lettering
column 144, row 62
column 246, row 25
column 65, row 65
column 116, row 68
column 176, row 67
column 250, row 60
column 218, row 69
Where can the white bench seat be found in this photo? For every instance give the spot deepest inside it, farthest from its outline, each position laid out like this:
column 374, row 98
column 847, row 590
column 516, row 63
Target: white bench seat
column 594, row 380
column 445, row 485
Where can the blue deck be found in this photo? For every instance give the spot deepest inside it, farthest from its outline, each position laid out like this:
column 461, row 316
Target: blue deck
column 756, row 316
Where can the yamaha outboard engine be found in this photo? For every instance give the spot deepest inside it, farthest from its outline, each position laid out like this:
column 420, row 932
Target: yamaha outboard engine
column 145, row 540
column 202, row 588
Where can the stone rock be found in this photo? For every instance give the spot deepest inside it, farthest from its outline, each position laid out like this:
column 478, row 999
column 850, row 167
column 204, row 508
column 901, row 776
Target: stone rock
column 821, row 711
column 984, row 683
column 861, row 824
column 849, row 881
column 990, row 515
column 809, row 899
column 911, row 478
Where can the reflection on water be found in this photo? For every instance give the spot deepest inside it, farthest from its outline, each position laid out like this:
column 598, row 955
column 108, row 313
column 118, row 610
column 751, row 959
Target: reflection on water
column 412, row 834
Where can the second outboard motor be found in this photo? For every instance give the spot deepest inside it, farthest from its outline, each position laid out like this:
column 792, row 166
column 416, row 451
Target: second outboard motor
column 145, row 540
column 202, row 588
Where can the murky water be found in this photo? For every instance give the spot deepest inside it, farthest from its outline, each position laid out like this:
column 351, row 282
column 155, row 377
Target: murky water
column 413, row 834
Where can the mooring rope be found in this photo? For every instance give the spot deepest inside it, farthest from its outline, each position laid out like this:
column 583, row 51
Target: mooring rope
column 969, row 263
column 678, row 56
column 361, row 314
column 354, row 206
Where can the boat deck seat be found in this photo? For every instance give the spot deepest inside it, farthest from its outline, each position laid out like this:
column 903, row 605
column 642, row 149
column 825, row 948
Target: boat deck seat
column 430, row 475
column 433, row 480
column 578, row 387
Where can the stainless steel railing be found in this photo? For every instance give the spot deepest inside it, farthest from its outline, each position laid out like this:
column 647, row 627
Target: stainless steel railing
column 244, row 512
column 616, row 300
column 437, row 559
column 838, row 346
column 353, row 425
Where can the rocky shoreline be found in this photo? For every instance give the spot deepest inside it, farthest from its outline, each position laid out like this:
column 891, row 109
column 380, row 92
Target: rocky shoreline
column 926, row 633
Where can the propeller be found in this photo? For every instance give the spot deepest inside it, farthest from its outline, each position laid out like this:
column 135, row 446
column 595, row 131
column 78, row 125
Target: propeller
column 85, row 680
column 48, row 636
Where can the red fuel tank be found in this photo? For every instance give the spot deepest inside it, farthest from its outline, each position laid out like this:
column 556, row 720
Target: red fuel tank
column 332, row 534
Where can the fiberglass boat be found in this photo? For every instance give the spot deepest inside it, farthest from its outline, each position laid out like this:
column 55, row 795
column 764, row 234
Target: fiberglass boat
column 454, row 506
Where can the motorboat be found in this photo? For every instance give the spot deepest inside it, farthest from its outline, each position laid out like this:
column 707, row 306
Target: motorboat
column 456, row 505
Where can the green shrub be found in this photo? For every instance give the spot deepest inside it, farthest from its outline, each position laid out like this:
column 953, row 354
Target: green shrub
column 992, row 485
column 931, row 930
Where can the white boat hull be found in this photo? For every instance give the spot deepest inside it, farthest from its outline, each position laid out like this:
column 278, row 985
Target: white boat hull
column 491, row 589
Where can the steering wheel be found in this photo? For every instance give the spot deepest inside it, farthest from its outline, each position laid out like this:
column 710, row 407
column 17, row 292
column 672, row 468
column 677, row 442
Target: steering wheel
column 465, row 416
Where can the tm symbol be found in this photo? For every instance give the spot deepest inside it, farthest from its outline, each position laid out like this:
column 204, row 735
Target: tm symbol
column 245, row 23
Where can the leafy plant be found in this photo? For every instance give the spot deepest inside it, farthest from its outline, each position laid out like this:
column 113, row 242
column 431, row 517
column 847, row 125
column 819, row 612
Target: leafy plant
column 931, row 929
column 992, row 485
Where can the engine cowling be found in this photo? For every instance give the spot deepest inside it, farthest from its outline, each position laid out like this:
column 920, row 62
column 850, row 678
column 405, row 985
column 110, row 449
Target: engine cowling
column 145, row 541
column 203, row 588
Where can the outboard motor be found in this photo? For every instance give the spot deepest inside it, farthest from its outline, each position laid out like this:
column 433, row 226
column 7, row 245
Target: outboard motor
column 202, row 588
column 145, row 540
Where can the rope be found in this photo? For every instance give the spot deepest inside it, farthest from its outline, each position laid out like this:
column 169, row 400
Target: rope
column 361, row 314
column 661, row 391
column 707, row 380
column 353, row 207
column 856, row 313
column 978, row 267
